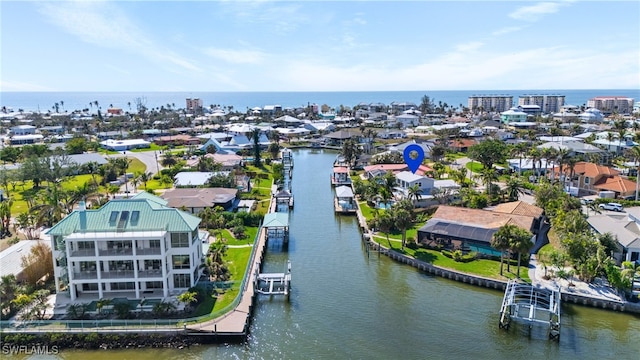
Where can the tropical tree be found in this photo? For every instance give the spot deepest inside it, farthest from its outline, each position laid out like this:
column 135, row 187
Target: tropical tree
column 488, row 152
column 384, row 222
column 145, row 177
column 188, row 298
column 514, row 188
column 414, row 193
column 402, row 220
column 8, row 291
column 218, row 270
column 255, row 135
column 101, row 303
column 501, row 241
column 520, row 242
column 349, row 151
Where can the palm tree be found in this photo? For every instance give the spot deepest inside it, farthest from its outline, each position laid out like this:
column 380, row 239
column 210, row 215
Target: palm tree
column 52, row 206
column 562, row 157
column 635, row 154
column 402, row 220
column 100, row 304
column 536, row 155
column 384, row 222
column 488, row 175
column 414, row 193
column 145, row 177
column 520, row 242
column 514, row 188
column 501, row 241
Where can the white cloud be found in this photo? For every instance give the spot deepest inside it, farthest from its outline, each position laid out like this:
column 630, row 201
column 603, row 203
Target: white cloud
column 104, row 25
column 535, row 12
column 507, row 30
column 534, row 68
column 469, row 47
column 236, row 56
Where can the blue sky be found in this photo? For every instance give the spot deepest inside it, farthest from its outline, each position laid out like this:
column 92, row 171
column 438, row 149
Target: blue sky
column 318, row 45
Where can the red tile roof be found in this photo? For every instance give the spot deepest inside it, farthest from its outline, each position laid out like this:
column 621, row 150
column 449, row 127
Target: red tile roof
column 617, row 184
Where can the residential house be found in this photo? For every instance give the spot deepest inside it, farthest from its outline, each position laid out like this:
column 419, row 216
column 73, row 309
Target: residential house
column 513, row 115
column 407, row 179
column 22, row 130
column 591, row 178
column 407, row 120
column 134, row 248
column 625, row 229
column 469, row 229
column 194, row 200
column 122, row 145
column 195, row 178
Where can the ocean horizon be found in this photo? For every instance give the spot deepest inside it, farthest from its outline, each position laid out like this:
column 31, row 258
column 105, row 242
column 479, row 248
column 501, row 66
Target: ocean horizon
column 240, row 101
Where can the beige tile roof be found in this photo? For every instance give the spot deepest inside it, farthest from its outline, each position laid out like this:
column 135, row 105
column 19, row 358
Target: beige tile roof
column 482, row 218
column 519, row 208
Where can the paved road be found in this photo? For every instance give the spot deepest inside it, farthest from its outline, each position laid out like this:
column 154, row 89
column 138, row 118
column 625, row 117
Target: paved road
column 149, row 158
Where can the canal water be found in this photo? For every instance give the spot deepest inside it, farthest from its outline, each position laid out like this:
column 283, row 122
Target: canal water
column 348, row 304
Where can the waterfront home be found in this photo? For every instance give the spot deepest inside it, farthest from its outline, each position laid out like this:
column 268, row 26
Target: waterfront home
column 195, row 178
column 339, row 137
column 625, row 228
column 134, row 248
column 407, row 120
column 227, row 162
column 195, row 200
column 345, row 202
column 177, row 140
column 469, row 229
column 591, row 178
column 340, row 176
column 407, row 179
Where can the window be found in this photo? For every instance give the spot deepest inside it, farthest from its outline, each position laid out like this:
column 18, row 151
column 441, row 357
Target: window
column 135, row 216
column 181, row 281
column 119, row 265
column 179, row 240
column 152, row 264
column 113, row 217
column 586, row 180
column 123, row 286
column 180, row 261
column 194, row 235
column 89, row 287
column 153, row 284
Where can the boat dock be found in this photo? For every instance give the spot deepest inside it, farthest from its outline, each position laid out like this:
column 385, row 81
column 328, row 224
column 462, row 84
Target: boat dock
column 526, row 303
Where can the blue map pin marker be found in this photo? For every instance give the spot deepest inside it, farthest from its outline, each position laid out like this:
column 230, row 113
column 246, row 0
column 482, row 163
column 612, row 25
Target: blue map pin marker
column 413, row 162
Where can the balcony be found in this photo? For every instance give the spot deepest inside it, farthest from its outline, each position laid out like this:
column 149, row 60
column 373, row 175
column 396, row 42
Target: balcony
column 116, row 252
column 84, row 275
column 150, row 273
column 149, row 251
column 84, row 252
column 117, row 274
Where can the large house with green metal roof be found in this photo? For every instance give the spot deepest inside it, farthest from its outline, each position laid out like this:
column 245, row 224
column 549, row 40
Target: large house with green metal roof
column 133, row 248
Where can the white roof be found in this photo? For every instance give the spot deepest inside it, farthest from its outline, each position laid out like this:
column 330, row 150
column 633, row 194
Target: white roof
column 132, row 142
column 408, row 176
column 195, row 178
column 344, row 192
column 11, row 258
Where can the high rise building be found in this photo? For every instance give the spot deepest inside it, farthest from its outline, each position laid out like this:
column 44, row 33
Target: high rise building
column 493, row 103
column 611, row 104
column 549, row 104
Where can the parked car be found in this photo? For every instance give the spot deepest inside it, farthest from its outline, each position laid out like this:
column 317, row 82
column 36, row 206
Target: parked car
column 611, row 206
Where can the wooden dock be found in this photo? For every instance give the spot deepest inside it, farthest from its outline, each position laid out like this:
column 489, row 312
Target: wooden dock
column 274, row 283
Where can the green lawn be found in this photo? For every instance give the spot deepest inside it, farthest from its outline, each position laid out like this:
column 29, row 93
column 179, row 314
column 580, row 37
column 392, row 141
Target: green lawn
column 474, row 166
column 153, row 147
column 136, row 166
column 482, row 267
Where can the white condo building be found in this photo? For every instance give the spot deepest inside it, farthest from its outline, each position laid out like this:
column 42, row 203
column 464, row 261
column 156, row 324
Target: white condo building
column 549, row 104
column 611, row 104
column 494, row 103
column 133, row 248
